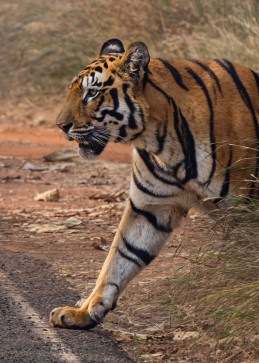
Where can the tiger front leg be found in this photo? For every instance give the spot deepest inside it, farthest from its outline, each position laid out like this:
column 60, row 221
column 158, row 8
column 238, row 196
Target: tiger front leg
column 141, row 235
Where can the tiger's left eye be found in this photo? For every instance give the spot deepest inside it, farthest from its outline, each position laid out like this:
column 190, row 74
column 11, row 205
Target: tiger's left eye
column 92, row 92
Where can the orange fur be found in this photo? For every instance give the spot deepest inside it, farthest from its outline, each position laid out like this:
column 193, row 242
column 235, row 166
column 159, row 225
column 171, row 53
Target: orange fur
column 193, row 125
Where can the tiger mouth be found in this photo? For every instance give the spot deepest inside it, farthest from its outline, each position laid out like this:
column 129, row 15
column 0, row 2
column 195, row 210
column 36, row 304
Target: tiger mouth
column 91, row 148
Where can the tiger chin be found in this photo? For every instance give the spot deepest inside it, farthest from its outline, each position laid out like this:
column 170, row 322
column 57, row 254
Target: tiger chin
column 193, row 125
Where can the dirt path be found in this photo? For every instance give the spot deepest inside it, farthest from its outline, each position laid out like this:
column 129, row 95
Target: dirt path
column 39, row 271
column 29, row 289
column 35, row 269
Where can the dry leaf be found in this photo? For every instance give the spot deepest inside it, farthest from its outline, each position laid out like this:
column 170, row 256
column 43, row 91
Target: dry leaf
column 100, row 244
column 118, row 196
column 183, row 335
column 33, row 167
column 55, row 226
column 62, row 155
column 48, row 196
column 47, row 228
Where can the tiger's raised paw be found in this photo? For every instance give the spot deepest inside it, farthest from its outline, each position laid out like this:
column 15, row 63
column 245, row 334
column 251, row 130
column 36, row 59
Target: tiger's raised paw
column 71, row 318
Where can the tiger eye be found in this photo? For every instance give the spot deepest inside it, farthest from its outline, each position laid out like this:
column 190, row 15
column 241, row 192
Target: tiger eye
column 92, row 92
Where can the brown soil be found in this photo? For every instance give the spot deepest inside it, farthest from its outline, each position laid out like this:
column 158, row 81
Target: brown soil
column 34, row 143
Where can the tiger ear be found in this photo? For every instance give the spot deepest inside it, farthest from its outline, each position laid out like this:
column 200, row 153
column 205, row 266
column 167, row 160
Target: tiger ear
column 112, row 46
column 136, row 58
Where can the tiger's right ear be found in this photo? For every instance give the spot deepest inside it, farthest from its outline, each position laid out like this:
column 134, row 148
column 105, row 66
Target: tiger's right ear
column 112, row 46
column 135, row 60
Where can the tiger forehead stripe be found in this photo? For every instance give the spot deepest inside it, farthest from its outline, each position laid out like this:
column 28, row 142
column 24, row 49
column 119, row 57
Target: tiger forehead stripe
column 98, row 69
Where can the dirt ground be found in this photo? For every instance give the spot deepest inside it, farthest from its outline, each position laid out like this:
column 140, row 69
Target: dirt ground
column 93, row 192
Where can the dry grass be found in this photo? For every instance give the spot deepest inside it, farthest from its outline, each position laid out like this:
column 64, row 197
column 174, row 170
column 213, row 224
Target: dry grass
column 223, row 283
column 44, row 44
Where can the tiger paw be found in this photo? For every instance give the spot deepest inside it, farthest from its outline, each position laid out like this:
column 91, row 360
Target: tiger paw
column 71, row 318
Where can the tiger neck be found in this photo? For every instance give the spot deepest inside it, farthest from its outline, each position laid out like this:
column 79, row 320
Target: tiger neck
column 159, row 137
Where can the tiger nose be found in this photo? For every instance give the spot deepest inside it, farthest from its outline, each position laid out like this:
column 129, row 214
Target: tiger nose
column 64, row 126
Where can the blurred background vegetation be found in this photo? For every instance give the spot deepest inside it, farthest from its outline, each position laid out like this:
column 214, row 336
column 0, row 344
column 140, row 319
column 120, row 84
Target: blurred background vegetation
column 45, row 43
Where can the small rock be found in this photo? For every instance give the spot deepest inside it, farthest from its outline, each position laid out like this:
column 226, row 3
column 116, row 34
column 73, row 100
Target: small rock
column 55, row 226
column 72, row 222
column 47, row 228
column 29, row 166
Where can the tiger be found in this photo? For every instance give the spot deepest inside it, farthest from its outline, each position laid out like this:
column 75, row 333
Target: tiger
column 193, row 127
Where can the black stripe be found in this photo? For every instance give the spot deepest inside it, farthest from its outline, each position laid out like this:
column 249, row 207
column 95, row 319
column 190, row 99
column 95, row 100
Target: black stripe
column 186, row 140
column 151, row 219
column 143, row 255
column 161, row 138
column 96, row 83
column 81, row 82
column 256, row 77
column 200, row 82
column 241, row 89
column 98, row 69
column 209, row 71
column 145, row 156
column 113, row 284
column 99, row 103
column 131, row 120
column 141, row 187
column 114, row 95
column 137, row 134
column 225, row 186
column 122, row 133
column 189, row 150
column 175, row 73
column 230, row 69
column 129, row 258
column 112, row 113
column 187, row 143
column 109, row 81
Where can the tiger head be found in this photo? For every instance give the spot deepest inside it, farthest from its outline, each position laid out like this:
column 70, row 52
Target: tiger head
column 105, row 102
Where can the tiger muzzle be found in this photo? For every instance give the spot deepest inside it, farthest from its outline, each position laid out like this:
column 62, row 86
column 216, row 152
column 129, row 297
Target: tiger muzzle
column 64, row 126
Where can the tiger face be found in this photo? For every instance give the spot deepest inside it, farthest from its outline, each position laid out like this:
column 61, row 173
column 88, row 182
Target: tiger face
column 105, row 102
